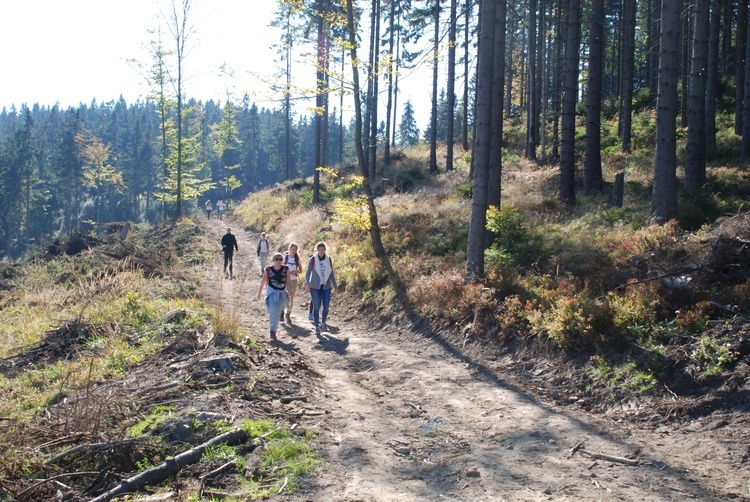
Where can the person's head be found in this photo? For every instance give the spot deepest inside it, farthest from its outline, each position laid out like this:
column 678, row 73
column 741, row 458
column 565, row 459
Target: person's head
column 278, row 258
column 229, row 230
column 293, row 249
column 262, row 235
column 320, row 247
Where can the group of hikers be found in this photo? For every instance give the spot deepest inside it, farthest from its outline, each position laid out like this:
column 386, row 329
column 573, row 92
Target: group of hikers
column 280, row 280
column 221, row 207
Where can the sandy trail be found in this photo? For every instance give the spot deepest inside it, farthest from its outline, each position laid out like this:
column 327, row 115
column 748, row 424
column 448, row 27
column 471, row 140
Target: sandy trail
column 409, row 419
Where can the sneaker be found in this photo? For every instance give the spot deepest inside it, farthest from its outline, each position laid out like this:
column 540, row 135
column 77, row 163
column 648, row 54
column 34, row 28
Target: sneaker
column 273, row 335
column 324, row 326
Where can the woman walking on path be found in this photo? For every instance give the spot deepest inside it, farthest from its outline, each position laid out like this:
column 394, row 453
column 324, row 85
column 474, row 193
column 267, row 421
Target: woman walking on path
column 320, row 280
column 293, row 262
column 275, row 277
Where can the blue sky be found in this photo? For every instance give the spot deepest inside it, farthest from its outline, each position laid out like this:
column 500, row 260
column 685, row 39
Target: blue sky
column 71, row 51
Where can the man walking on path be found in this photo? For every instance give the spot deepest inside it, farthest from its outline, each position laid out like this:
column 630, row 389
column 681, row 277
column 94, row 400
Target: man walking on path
column 263, row 248
column 229, row 245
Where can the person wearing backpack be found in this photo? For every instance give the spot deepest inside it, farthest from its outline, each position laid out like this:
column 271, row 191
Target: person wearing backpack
column 264, row 247
column 293, row 262
column 320, row 281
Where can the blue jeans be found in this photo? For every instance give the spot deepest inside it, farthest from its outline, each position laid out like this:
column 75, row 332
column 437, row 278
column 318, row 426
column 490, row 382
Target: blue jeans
column 319, row 296
column 275, row 303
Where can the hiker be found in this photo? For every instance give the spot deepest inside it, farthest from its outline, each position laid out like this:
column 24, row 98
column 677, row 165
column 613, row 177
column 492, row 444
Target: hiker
column 263, row 249
column 275, row 277
column 209, row 208
column 294, row 264
column 319, row 281
column 220, row 208
column 229, row 245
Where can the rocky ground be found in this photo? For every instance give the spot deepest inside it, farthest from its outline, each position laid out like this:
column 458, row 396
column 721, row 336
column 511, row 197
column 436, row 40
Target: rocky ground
column 404, row 415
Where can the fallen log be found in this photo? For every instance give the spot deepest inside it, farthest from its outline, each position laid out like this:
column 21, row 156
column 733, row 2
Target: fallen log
column 171, row 466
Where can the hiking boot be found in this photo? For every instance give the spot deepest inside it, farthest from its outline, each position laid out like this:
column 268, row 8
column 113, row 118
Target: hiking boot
column 317, row 331
column 324, row 327
column 273, row 335
column 281, row 316
column 288, row 318
column 310, row 316
column 231, row 276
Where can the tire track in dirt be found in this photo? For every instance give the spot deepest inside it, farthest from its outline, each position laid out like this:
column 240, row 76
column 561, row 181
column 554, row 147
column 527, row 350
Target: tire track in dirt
column 408, row 419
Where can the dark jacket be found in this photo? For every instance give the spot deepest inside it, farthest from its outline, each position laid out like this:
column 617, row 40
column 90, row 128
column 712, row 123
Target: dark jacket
column 229, row 243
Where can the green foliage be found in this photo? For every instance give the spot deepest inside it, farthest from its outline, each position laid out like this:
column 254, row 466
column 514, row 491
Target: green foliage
column 157, row 415
column 716, row 355
column 512, row 240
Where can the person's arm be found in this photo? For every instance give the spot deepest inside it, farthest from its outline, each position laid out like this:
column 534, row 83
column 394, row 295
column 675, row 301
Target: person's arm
column 308, row 275
column 335, row 286
column 236, row 248
column 263, row 282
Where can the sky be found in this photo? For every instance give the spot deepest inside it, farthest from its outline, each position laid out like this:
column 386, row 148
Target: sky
column 72, row 51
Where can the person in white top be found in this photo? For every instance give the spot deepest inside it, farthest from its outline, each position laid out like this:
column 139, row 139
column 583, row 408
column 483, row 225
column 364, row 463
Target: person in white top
column 294, row 263
column 263, row 249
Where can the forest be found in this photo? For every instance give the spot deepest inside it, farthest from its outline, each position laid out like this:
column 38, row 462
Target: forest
column 568, row 69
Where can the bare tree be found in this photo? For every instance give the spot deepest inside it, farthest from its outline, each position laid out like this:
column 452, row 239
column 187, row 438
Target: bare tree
column 592, row 175
column 570, row 91
column 482, row 142
column 664, row 194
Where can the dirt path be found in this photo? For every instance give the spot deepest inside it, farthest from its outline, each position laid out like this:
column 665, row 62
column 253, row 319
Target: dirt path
column 410, row 420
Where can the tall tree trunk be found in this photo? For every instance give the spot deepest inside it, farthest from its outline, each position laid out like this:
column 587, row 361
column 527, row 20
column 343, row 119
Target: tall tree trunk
column 319, row 78
column 570, row 90
column 592, row 174
column 686, row 47
column 740, row 61
column 288, row 99
column 654, row 47
column 664, row 194
column 375, row 86
column 628, row 62
column 745, row 146
column 433, row 114
column 389, row 72
column 482, row 142
column 712, row 76
column 449, row 133
column 557, row 81
column 532, row 114
column 494, row 179
column 695, row 150
column 467, row 78
column 375, row 237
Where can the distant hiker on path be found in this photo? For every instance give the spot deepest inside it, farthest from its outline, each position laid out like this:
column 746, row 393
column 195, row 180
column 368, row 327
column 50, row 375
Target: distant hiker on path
column 293, row 262
column 319, row 281
column 209, row 208
column 275, row 278
column 263, row 249
column 229, row 245
column 220, row 208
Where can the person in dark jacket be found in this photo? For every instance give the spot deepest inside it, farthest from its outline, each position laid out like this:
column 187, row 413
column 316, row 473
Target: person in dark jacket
column 229, row 245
